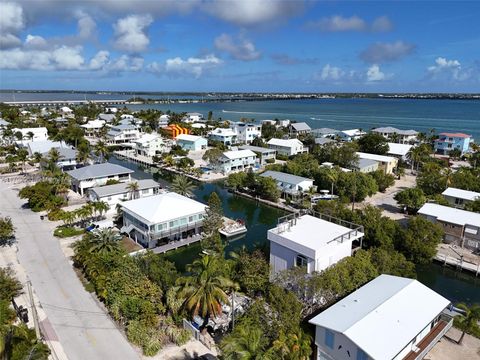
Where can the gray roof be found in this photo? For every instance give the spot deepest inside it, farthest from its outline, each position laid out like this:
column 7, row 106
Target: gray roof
column 323, row 141
column 65, row 153
column 102, row 191
column 124, row 127
column 301, row 126
column 284, row 177
column 390, row 129
column 98, row 171
column 324, row 131
column 257, row 149
column 363, row 163
column 106, row 117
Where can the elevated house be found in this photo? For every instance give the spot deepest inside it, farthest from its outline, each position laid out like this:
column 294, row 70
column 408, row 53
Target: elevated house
column 289, row 184
column 236, row 160
column 264, row 155
column 149, row 145
column 43, row 146
column 287, row 147
column 30, row 135
column 97, row 175
column 396, row 135
column 67, row 158
column 458, row 197
column 107, row 117
column 193, row 117
column 121, row 134
column 191, row 142
column 162, row 218
column 388, row 318
column 300, row 128
column 246, row 133
column 350, row 135
column 325, row 133
column 385, row 163
column 224, row 135
column 313, row 242
column 447, row 142
column 399, row 151
column 461, row 227
column 93, row 127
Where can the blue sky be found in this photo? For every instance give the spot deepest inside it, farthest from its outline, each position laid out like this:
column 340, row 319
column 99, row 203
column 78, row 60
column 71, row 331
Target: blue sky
column 240, row 45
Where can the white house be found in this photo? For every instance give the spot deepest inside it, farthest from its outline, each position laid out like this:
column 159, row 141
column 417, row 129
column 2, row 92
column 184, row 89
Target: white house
column 236, row 160
column 111, row 110
column 366, row 166
column 193, row 117
column 264, row 155
column 300, row 128
column 127, row 117
column 225, row 136
column 163, row 120
column 117, row 193
column 31, row 134
column 43, row 146
column 161, row 218
column 385, row 163
column 246, row 132
column 67, row 159
column 97, row 175
column 390, row 318
column 311, row 242
column 458, row 197
column 350, row 135
column 149, row 145
column 288, row 183
column 287, row 147
column 401, row 136
column 191, row 142
column 93, row 127
column 107, row 117
column 325, row 133
column 399, row 150
column 66, row 111
column 123, row 134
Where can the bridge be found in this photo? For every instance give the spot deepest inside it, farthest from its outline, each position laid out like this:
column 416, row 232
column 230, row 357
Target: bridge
column 64, row 102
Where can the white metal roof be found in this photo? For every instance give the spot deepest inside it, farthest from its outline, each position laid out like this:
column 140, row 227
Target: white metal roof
column 301, row 126
column 353, row 132
column 163, row 207
column 284, row 177
column 450, row 215
column 381, row 158
column 391, row 130
column 25, row 131
column 461, row 194
column 384, row 315
column 121, row 188
column 192, row 138
column 238, row 154
column 98, row 171
column 223, row 132
column 398, row 149
column 285, row 142
column 146, row 138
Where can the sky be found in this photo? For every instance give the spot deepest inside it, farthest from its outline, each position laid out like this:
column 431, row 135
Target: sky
column 240, row 45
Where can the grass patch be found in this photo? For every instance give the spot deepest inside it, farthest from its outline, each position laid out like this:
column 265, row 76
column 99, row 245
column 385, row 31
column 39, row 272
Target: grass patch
column 67, row 231
column 129, row 245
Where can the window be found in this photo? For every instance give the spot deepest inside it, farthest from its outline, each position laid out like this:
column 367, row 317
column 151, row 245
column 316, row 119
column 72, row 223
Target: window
column 301, row 261
column 191, row 218
column 361, row 355
column 145, row 192
column 200, row 216
column 329, row 338
column 173, row 224
column 183, row 221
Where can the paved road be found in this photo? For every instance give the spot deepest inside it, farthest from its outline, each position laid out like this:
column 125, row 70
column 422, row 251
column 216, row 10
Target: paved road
column 82, row 327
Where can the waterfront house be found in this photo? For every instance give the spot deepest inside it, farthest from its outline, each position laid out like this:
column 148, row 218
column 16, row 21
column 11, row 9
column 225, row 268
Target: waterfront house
column 191, row 142
column 350, row 135
column 158, row 219
column 67, row 157
column 366, row 165
column 399, row 151
column 287, row 147
column 289, row 184
column 93, row 127
column 300, row 128
column 396, row 135
column 311, row 242
column 446, row 142
column 323, row 141
column 30, row 135
column 264, row 155
column 43, row 146
column 236, row 160
column 107, row 117
column 121, row 134
column 97, row 175
column 117, row 193
column 388, row 318
column 246, row 133
column 325, row 133
column 385, row 163
column 193, row 117
column 225, row 136
column 163, row 120
column 149, row 145
column 458, row 197
column 461, row 227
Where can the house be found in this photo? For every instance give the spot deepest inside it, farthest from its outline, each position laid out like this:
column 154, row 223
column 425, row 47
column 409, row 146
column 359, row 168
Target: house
column 97, row 175
column 225, row 136
column 458, row 197
column 236, row 160
column 446, row 142
column 246, row 133
column 31, row 134
column 461, row 227
column 323, row 141
column 111, row 110
column 264, row 155
column 162, row 218
column 399, row 151
column 366, row 165
column 123, row 134
column 396, row 135
column 191, row 142
column 107, row 117
column 388, row 318
column 93, row 127
column 386, row 163
column 311, row 242
column 66, row 111
column 126, row 117
column 288, row 183
column 149, row 145
column 117, row 193
column 163, row 120
column 193, row 117
column 300, row 128
column 67, row 157
column 350, row 135
column 332, row 165
column 325, row 133
column 60, row 122
column 43, row 146
column 173, row 130
column 288, row 147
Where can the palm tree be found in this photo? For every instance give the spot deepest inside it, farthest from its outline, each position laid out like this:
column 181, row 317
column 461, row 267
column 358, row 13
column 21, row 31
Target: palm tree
column 83, row 154
column 69, row 217
column 294, row 346
column 104, row 241
column 54, row 155
column 448, row 173
column 414, row 156
column 203, row 290
column 468, row 322
column 182, row 185
column 246, row 343
column 62, row 182
column 37, row 157
column 102, row 150
column 101, row 206
column 22, row 155
column 333, row 176
column 132, row 188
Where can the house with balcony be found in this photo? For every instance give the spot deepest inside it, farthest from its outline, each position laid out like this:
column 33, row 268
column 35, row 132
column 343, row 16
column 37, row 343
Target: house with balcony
column 461, row 227
column 287, row 147
column 97, row 175
column 93, row 127
column 163, row 120
column 388, row 318
column 264, row 155
column 312, row 241
column 224, row 135
column 325, row 133
column 191, row 142
column 399, row 151
column 149, row 145
column 118, row 193
column 236, row 160
column 67, row 158
column 447, row 142
column 162, row 218
column 121, row 134
column 351, row 134
column 397, row 135
column 300, row 128
column 30, row 135
column 385, row 163
column 246, row 133
column 459, row 197
column 193, row 117
column 289, row 184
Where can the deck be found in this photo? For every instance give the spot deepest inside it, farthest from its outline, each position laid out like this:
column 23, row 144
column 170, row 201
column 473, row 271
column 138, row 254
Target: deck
column 429, row 341
column 177, row 244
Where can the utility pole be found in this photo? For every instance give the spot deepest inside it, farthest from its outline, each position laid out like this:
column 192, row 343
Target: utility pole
column 34, row 310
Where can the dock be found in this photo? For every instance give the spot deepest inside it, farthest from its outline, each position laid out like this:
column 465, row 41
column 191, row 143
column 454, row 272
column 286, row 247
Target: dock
column 458, row 263
column 131, row 156
column 172, row 245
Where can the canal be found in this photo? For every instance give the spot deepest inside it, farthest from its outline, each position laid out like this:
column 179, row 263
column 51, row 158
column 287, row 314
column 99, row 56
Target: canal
column 454, row 285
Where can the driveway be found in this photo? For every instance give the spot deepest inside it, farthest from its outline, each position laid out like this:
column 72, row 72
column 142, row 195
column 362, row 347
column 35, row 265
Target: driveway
column 73, row 315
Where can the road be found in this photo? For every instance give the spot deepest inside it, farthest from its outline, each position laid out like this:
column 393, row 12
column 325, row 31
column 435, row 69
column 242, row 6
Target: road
column 82, row 327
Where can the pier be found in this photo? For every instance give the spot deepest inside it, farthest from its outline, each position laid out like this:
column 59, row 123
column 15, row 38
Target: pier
column 64, row 102
column 458, row 258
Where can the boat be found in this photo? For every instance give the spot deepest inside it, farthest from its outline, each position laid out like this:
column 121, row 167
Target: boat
column 233, row 228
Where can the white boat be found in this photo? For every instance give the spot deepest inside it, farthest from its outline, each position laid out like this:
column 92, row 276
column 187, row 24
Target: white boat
column 233, row 228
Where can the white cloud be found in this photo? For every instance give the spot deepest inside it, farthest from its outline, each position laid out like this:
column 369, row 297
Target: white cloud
column 35, row 42
column 452, row 69
column 386, row 52
column 130, row 33
column 382, row 24
column 179, row 67
column 11, row 23
column 375, row 74
column 68, row 58
column 8, row 41
column 331, row 73
column 100, row 60
column 442, row 64
column 86, row 25
column 338, row 23
column 240, row 48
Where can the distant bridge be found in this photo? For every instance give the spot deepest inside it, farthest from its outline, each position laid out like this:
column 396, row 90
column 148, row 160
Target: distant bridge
column 64, row 102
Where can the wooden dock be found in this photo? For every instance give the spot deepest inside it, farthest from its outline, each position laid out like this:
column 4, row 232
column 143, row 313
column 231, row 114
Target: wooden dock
column 131, row 156
column 458, row 263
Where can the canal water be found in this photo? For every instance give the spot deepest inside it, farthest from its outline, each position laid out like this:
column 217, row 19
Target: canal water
column 454, row 285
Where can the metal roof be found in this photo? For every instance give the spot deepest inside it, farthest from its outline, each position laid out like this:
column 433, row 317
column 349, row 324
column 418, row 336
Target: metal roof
column 191, row 138
column 398, row 149
column 391, row 130
column 301, row 126
column 257, row 149
column 450, row 215
column 461, row 194
column 325, row 131
column 284, row 177
column 238, row 154
column 323, row 141
column 65, row 153
column 285, row 142
column 98, row 171
column 381, row 158
column 383, row 316
column 363, row 163
column 44, row 146
column 108, row 190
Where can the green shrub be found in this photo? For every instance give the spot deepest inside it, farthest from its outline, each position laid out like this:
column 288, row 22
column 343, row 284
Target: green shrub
column 144, row 336
column 56, row 214
column 270, row 161
column 66, row 231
